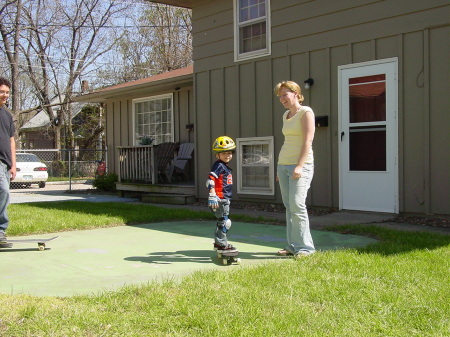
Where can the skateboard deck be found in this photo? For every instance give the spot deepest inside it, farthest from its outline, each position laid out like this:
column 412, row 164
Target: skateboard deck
column 41, row 242
column 228, row 256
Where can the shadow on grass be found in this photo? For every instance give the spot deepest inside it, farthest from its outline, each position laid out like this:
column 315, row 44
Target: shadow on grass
column 13, row 250
column 256, row 236
column 394, row 241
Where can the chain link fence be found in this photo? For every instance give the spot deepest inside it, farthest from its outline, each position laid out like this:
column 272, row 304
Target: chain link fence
column 51, row 169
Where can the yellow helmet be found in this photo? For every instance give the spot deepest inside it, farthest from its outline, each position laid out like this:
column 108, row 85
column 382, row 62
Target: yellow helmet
column 223, row 144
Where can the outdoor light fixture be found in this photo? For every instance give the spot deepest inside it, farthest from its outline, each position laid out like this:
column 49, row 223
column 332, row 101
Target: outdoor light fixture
column 308, row 83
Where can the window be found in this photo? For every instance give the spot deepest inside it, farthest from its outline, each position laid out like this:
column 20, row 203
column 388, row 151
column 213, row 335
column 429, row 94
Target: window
column 28, row 158
column 153, row 117
column 367, row 128
column 255, row 168
column 251, row 28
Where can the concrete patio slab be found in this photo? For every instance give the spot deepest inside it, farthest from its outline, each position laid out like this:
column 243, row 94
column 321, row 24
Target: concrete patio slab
column 92, row 261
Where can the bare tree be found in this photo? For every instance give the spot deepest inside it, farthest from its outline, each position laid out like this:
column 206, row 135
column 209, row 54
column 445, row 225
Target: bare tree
column 160, row 41
column 58, row 42
column 130, row 60
column 171, row 41
column 11, row 11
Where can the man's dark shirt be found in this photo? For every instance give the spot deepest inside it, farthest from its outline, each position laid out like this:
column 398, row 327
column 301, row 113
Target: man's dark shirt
column 7, row 131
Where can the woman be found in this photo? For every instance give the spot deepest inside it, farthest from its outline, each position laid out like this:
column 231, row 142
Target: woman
column 296, row 167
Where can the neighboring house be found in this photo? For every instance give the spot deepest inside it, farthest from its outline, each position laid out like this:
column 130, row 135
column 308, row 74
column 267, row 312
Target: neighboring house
column 37, row 132
column 380, row 95
column 160, row 106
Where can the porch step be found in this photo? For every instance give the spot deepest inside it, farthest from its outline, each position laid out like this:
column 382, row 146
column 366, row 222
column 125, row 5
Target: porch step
column 156, row 189
column 172, row 199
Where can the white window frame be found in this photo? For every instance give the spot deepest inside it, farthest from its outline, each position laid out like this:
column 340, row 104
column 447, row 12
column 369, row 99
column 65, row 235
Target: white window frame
column 152, row 98
column 237, row 38
column 240, row 142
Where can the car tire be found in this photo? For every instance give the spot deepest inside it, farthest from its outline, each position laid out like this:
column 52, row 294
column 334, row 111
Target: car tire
column 42, row 184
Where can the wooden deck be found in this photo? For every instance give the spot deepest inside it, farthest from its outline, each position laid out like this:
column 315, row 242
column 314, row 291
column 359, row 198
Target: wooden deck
column 148, row 171
column 160, row 194
column 152, row 164
column 160, row 188
column 136, row 164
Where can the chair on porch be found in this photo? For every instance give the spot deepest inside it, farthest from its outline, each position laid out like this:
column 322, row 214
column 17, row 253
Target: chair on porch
column 182, row 159
column 164, row 155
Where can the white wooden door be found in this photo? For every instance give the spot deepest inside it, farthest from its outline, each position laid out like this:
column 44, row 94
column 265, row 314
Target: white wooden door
column 368, row 131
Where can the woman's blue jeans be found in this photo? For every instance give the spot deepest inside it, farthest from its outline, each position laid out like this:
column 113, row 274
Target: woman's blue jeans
column 4, row 196
column 293, row 192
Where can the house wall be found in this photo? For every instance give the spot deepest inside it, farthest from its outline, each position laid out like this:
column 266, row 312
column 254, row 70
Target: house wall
column 37, row 139
column 119, row 121
column 311, row 38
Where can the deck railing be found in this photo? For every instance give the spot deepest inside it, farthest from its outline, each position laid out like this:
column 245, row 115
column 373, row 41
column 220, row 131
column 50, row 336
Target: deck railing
column 136, row 164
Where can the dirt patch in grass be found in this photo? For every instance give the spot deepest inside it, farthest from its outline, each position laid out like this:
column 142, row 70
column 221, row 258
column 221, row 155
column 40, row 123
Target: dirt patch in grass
column 278, row 208
column 422, row 221
column 266, row 207
column 430, row 221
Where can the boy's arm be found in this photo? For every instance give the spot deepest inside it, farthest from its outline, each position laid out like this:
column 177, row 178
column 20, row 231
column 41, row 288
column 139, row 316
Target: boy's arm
column 213, row 200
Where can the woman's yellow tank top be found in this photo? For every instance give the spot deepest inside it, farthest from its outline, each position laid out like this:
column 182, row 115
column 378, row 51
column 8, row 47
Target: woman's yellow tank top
column 293, row 139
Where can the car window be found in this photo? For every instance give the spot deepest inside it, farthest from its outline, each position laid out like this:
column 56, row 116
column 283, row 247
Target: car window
column 25, row 157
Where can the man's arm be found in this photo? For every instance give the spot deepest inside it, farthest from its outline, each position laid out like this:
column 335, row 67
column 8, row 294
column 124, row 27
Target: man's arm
column 12, row 171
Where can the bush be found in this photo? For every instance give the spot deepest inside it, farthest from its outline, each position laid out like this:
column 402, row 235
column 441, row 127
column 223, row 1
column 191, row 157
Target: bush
column 106, row 182
column 57, row 168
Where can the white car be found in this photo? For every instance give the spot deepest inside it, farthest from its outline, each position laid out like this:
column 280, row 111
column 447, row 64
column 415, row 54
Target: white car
column 30, row 170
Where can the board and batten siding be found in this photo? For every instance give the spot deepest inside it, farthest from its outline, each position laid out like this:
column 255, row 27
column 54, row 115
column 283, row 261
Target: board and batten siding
column 311, row 39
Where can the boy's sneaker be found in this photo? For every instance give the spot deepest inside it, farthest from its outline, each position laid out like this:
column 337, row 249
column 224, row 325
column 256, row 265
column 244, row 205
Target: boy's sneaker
column 221, row 247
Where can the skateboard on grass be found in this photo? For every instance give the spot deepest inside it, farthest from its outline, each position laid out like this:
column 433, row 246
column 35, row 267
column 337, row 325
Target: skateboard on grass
column 41, row 242
column 228, row 256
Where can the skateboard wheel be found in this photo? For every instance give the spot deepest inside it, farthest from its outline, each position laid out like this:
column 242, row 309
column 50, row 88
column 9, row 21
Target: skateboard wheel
column 225, row 262
column 41, row 246
column 238, row 261
column 219, row 255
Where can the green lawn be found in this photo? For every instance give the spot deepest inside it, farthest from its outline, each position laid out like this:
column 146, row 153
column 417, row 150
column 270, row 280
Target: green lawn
column 49, row 217
column 396, row 287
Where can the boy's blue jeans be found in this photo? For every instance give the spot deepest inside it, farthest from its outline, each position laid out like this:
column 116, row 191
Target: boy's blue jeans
column 220, row 237
column 293, row 192
column 4, row 196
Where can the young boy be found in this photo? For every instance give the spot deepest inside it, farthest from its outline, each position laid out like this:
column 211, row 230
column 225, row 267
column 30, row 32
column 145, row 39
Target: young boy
column 219, row 184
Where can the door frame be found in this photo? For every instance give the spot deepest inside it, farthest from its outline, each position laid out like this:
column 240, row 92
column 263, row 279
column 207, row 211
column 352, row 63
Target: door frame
column 393, row 143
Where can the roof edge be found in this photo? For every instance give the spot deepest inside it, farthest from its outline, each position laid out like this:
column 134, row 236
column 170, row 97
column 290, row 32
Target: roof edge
column 174, row 76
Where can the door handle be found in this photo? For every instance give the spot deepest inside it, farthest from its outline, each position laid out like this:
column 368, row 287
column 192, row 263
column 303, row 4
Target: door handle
column 342, row 135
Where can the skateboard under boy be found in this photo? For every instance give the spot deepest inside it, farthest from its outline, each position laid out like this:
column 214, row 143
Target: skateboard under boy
column 41, row 242
column 228, row 256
